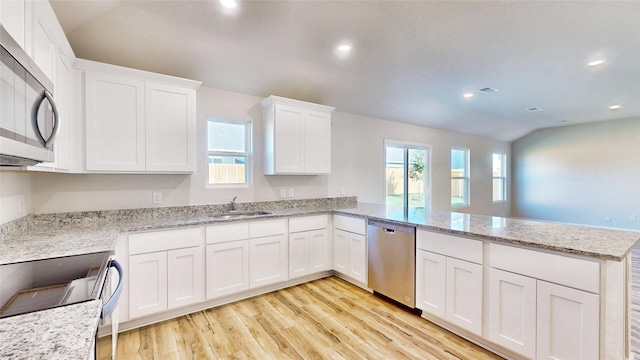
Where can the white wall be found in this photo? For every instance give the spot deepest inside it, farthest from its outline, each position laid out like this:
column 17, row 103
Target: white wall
column 579, row 174
column 357, row 165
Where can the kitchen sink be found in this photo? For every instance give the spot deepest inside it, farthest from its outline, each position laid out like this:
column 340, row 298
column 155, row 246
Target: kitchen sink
column 240, row 214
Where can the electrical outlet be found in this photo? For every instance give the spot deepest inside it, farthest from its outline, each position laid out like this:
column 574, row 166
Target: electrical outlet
column 290, row 192
column 342, row 192
column 157, row 197
column 632, row 217
column 607, row 218
column 20, row 204
column 283, row 192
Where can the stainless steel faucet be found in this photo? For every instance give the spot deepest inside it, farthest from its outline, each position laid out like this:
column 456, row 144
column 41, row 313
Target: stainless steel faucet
column 233, row 204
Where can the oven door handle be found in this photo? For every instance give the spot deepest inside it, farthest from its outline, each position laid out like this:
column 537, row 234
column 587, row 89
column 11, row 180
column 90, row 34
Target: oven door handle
column 111, row 304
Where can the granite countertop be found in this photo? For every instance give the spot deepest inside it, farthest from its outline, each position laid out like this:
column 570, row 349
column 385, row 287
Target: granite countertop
column 599, row 243
column 61, row 333
column 66, row 332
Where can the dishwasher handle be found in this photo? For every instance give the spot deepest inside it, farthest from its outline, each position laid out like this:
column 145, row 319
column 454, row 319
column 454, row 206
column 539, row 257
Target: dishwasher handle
column 390, row 231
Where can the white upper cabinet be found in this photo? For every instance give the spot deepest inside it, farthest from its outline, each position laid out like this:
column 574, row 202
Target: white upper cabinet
column 13, row 16
column 297, row 137
column 138, row 121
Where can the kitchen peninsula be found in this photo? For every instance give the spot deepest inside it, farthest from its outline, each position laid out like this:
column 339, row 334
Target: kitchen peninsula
column 563, row 249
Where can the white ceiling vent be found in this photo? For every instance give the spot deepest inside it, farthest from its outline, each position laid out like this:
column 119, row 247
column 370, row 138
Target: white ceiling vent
column 488, row 90
column 534, row 109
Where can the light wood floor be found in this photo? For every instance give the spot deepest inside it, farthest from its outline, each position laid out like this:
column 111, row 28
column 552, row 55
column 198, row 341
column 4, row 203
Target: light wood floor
column 323, row 319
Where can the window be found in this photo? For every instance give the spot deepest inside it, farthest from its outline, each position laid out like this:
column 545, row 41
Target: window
column 499, row 177
column 229, row 151
column 407, row 180
column 459, row 177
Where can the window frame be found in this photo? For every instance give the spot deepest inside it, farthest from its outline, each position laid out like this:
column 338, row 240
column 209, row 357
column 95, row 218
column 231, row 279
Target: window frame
column 502, row 177
column 466, row 178
column 428, row 181
column 247, row 154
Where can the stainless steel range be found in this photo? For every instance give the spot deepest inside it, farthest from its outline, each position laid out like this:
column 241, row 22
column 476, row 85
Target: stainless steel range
column 44, row 284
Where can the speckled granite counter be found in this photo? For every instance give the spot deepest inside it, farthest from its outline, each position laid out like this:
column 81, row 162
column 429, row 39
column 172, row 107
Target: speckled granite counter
column 66, row 332
column 600, row 243
column 60, row 333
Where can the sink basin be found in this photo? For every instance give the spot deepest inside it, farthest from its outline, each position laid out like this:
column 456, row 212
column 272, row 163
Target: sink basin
column 240, row 214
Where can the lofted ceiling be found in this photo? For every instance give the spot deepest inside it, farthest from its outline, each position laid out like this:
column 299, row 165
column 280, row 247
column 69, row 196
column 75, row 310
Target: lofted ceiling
column 411, row 61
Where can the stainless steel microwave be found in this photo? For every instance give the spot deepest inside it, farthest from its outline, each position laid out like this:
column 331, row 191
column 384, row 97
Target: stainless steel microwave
column 29, row 119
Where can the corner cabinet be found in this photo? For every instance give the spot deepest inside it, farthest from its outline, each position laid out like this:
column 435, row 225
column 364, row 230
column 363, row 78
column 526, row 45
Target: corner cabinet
column 297, row 137
column 138, row 122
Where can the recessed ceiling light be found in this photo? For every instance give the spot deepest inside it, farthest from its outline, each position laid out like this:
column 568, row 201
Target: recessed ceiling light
column 534, row 109
column 468, row 95
column 614, row 107
column 596, row 62
column 229, row 4
column 345, row 47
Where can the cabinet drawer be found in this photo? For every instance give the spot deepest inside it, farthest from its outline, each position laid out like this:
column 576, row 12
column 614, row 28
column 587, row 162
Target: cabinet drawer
column 267, row 228
column 576, row 273
column 227, row 232
column 350, row 224
column 307, row 223
column 449, row 245
column 164, row 240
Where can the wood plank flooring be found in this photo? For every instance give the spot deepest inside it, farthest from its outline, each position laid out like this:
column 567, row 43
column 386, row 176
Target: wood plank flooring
column 323, row 319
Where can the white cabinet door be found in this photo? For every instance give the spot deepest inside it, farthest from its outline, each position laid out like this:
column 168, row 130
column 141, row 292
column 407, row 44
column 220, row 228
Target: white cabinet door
column 298, row 254
column 288, row 140
column 567, row 323
column 13, row 18
column 341, row 251
column 147, row 284
column 317, row 143
column 170, row 128
column 268, row 260
column 185, row 276
column 65, row 156
column 464, row 295
column 308, row 253
column 115, row 123
column 318, row 251
column 43, row 43
column 431, row 279
column 512, row 311
column 227, row 268
column 358, row 257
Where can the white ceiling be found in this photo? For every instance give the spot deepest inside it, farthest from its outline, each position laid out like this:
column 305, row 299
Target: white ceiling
column 411, row 61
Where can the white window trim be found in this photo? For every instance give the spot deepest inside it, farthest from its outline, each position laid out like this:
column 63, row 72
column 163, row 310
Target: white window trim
column 503, row 177
column 248, row 154
column 466, row 178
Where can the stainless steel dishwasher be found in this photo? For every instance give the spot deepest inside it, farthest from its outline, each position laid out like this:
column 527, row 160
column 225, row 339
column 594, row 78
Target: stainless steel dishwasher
column 392, row 259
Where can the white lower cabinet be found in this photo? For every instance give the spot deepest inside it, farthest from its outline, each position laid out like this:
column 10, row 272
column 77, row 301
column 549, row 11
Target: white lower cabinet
column 544, row 312
column 185, row 275
column 449, row 279
column 450, row 289
column 166, row 270
column 350, row 247
column 512, row 311
column 268, row 260
column 227, row 268
column 567, row 323
column 464, row 295
column 308, row 245
column 147, row 284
